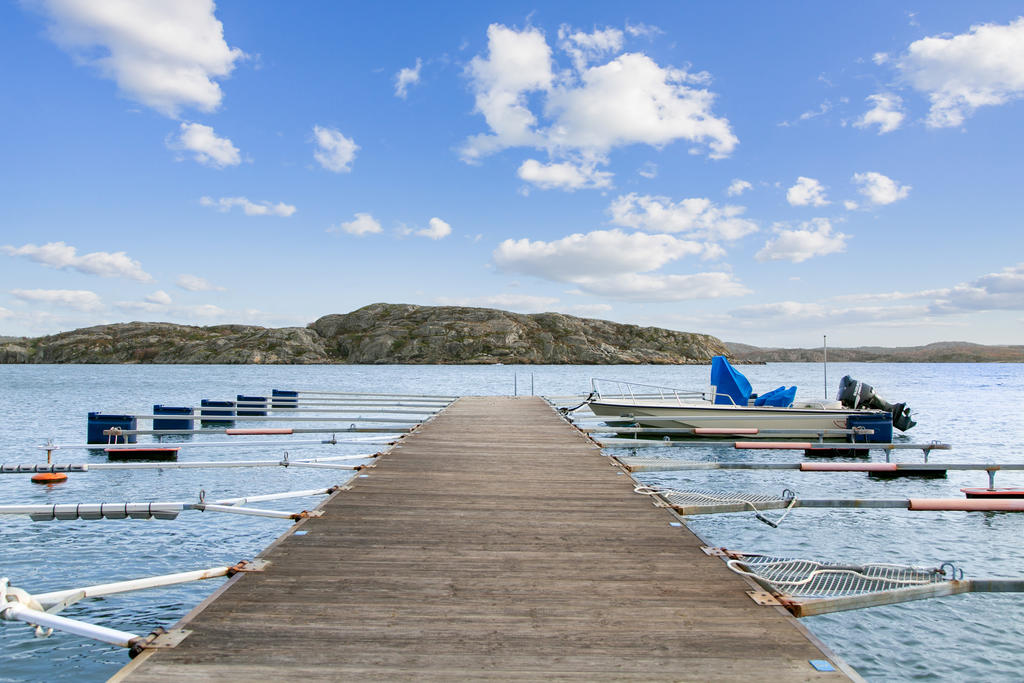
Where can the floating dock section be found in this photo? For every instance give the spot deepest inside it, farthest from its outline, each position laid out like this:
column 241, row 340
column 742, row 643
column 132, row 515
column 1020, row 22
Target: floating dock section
column 495, row 542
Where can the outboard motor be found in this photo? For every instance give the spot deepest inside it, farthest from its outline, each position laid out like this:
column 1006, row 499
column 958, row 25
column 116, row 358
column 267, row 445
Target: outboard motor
column 854, row 394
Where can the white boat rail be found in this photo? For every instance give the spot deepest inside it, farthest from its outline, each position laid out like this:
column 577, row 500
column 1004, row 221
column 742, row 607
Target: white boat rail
column 636, row 393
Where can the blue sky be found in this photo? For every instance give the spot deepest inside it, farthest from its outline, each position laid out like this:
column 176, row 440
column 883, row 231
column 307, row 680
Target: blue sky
column 765, row 172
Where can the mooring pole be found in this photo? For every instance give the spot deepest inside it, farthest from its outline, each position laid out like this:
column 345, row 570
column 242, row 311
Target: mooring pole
column 824, row 348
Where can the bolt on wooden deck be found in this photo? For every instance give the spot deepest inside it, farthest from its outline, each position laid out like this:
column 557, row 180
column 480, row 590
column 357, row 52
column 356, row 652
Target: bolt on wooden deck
column 494, row 543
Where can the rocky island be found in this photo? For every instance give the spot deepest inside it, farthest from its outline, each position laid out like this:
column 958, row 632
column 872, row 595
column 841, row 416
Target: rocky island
column 408, row 334
column 378, row 333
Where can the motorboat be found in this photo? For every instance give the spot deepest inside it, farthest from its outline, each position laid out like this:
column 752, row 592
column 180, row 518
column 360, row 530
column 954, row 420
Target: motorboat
column 728, row 408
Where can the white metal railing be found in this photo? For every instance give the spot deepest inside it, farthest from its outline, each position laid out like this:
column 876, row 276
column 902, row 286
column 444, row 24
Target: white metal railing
column 636, row 393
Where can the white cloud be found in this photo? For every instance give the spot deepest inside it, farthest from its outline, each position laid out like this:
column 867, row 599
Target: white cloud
column 205, row 146
column 406, row 77
column 824, row 108
column 5, row 313
column 438, row 229
column 850, row 205
column 887, row 113
column 565, row 175
column 648, row 170
column 584, row 48
column 589, row 110
column 159, row 297
column 62, row 256
column 590, row 310
column 166, row 55
column 608, row 252
column 983, row 67
column 263, row 208
column 362, row 224
column 738, row 187
column 616, row 265
column 794, row 312
column 813, row 238
column 194, row 283
column 712, row 252
column 518, row 62
column 806, row 192
column 642, row 30
column 995, row 291
column 880, row 58
column 203, row 311
column 644, row 287
column 633, row 100
column 880, row 189
column 77, row 299
column 523, row 303
column 697, row 217
column 334, row 151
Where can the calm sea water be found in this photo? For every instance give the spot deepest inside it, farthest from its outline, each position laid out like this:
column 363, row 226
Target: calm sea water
column 977, row 408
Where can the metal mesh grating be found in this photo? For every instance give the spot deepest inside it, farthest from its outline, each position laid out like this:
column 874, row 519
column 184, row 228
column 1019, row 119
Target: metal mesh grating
column 698, row 498
column 812, row 579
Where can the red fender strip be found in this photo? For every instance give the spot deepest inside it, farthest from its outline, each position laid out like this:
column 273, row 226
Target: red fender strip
column 969, row 504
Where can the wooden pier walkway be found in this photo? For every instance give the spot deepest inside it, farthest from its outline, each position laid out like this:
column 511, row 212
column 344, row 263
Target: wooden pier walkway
column 494, row 543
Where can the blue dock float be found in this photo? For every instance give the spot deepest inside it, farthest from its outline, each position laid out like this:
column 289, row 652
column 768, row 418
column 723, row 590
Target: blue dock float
column 176, row 423
column 224, row 411
column 99, row 422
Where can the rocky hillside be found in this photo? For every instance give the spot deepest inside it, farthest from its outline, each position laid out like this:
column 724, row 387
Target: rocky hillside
column 939, row 352
column 379, row 333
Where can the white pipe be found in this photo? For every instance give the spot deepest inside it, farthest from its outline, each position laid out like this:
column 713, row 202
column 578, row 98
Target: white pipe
column 302, row 408
column 332, row 458
column 52, row 598
column 205, row 464
column 212, row 415
column 284, row 443
column 301, row 392
column 209, row 464
column 322, row 465
column 297, row 430
column 214, row 507
column 79, row 628
column 273, row 496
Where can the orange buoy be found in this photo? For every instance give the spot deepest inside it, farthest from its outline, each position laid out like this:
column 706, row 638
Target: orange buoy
column 49, row 478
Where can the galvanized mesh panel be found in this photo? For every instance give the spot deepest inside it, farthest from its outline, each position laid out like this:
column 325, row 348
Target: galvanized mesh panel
column 696, row 498
column 641, row 464
column 812, row 579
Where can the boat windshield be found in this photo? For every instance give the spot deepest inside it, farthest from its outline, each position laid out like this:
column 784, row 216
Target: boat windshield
column 637, row 393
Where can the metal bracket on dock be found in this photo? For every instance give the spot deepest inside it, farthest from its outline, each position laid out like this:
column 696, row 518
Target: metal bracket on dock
column 159, row 639
column 763, row 598
column 247, row 566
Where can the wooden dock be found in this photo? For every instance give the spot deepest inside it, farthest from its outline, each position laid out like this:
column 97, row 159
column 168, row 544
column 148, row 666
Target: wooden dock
column 494, row 543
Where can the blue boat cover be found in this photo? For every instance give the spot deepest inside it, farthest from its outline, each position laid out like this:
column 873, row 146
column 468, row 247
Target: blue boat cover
column 729, row 382
column 781, row 397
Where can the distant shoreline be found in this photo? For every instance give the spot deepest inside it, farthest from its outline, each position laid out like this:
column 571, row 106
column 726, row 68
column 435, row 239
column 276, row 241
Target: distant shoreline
column 405, row 334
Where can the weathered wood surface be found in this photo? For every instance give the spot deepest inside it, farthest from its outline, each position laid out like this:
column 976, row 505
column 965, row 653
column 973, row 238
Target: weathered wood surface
column 494, row 543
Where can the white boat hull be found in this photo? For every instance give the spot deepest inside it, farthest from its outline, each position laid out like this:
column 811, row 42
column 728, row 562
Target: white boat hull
column 771, row 423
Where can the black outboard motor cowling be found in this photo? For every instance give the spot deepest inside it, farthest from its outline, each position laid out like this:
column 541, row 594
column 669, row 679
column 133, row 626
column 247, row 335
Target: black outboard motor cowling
column 854, row 394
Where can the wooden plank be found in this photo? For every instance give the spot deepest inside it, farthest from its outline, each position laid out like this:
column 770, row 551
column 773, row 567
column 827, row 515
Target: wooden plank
column 494, row 543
